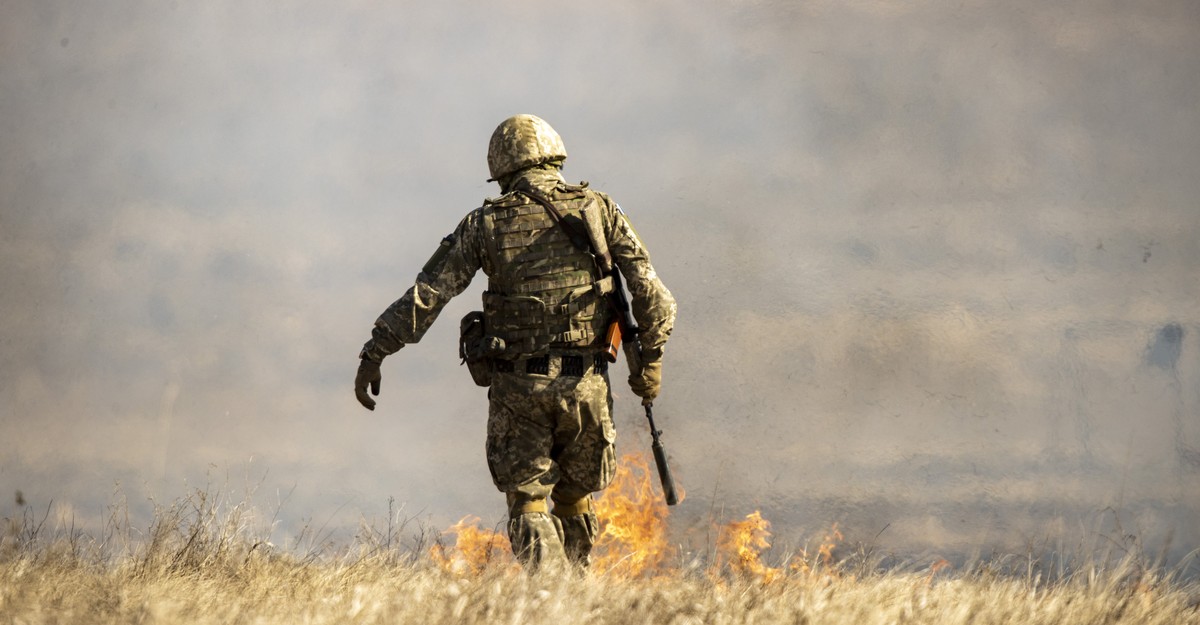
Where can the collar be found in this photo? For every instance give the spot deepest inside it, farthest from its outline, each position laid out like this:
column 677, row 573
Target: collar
column 543, row 179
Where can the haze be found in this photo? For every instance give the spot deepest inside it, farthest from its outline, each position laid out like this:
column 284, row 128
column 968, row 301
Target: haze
column 936, row 263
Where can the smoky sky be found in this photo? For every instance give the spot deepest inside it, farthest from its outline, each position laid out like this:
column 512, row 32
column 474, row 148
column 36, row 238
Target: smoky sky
column 936, row 263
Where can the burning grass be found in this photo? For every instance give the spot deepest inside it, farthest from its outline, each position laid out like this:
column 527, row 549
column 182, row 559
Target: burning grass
column 201, row 561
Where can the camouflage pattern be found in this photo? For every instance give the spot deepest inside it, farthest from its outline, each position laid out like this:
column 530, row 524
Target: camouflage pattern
column 543, row 290
column 552, row 436
column 409, row 317
column 580, row 532
column 551, row 432
column 521, row 141
column 549, row 435
column 537, row 540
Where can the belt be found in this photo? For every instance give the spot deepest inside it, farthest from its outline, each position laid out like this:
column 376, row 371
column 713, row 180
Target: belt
column 554, row 366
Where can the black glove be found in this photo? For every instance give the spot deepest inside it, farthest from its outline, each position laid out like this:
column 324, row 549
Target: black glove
column 368, row 373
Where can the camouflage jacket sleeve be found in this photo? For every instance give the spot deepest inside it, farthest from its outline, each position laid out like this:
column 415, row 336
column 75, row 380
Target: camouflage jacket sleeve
column 446, row 274
column 653, row 306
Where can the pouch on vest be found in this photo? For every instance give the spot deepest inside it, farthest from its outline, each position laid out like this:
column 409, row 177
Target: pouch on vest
column 477, row 349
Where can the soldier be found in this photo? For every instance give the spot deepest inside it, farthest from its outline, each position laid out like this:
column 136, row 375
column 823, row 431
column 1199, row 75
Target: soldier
column 550, row 431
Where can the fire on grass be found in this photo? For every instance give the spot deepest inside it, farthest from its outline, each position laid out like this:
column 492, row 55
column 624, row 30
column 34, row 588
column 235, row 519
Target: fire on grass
column 633, row 539
column 475, row 549
column 740, row 545
column 633, row 522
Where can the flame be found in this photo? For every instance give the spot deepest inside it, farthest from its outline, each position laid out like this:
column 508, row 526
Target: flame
column 633, row 522
column 824, row 559
column 632, row 540
column 474, row 551
column 825, row 552
column 940, row 564
column 740, row 545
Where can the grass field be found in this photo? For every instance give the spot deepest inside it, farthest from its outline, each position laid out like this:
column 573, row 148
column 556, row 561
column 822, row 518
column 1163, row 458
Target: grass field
column 202, row 561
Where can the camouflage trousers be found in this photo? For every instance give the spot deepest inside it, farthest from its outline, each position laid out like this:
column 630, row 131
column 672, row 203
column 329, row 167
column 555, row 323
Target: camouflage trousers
column 550, row 437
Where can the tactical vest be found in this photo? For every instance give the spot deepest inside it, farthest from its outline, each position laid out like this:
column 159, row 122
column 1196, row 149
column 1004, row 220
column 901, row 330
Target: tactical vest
column 543, row 291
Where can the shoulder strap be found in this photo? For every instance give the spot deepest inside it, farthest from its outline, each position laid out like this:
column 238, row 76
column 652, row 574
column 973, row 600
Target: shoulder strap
column 592, row 241
column 578, row 239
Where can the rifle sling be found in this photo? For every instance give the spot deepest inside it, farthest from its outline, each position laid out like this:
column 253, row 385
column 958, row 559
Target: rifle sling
column 583, row 243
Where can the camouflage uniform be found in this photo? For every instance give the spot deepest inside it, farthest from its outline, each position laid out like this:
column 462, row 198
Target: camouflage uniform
column 550, row 432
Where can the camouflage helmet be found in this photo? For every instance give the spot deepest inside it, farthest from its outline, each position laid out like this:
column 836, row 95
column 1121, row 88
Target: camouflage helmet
column 522, row 141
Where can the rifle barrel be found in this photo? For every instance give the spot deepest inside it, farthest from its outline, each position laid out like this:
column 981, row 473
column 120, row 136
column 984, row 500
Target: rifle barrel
column 660, row 460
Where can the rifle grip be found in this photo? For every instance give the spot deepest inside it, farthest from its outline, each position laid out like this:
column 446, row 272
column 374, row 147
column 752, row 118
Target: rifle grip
column 612, row 341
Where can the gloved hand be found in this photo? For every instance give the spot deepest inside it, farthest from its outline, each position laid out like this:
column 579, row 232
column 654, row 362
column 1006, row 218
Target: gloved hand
column 633, row 356
column 368, row 374
column 647, row 383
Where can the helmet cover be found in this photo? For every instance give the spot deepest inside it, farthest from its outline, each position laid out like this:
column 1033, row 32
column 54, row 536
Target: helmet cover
column 522, row 141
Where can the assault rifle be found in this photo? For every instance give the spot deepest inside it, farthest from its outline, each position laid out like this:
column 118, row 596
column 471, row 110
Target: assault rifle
column 624, row 327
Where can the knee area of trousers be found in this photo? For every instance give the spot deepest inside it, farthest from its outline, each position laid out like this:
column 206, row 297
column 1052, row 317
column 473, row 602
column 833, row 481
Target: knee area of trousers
column 519, row 504
column 568, row 509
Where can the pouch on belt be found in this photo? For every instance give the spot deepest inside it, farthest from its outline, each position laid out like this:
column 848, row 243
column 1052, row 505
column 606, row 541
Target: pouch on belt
column 477, row 349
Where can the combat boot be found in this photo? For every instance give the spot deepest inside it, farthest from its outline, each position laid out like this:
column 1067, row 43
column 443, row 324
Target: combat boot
column 580, row 529
column 536, row 535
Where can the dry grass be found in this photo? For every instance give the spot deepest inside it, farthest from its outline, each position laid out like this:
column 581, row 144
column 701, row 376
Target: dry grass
column 200, row 562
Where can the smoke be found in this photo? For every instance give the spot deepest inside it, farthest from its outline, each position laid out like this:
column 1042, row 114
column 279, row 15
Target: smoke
column 935, row 265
